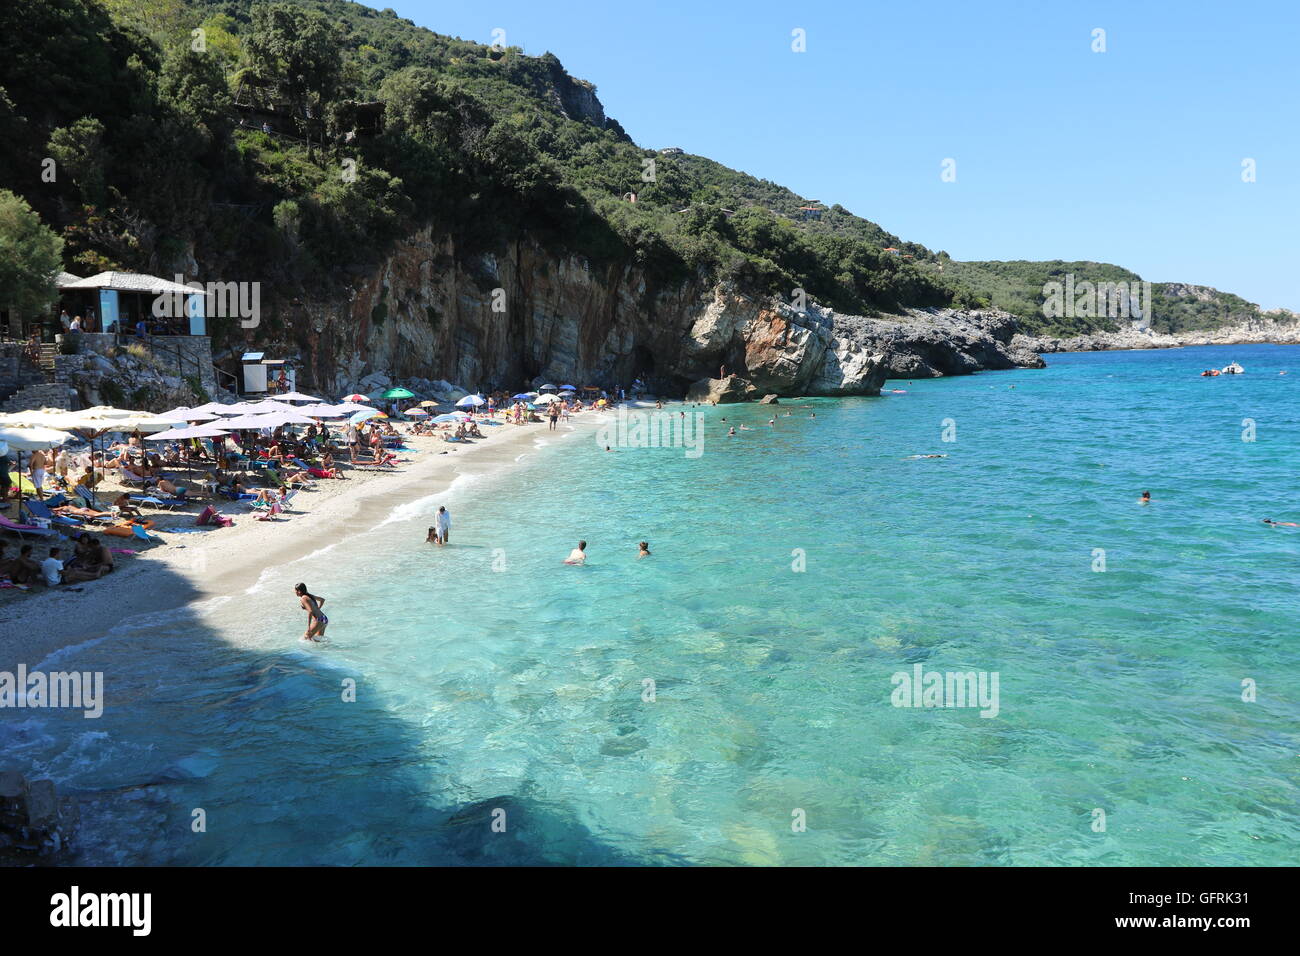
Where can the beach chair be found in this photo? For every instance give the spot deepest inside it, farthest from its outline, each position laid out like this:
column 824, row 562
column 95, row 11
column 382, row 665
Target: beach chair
column 155, row 502
column 270, row 514
column 39, row 509
column 139, row 532
column 25, row 529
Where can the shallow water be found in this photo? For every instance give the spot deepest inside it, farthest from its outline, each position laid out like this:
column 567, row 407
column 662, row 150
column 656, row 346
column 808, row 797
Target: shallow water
column 495, row 684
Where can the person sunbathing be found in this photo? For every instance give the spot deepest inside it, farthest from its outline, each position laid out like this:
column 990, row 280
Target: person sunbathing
column 124, row 507
column 165, row 486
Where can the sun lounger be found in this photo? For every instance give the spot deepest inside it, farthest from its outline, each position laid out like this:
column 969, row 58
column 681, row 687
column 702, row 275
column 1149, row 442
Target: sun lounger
column 25, row 529
column 39, row 509
column 167, row 503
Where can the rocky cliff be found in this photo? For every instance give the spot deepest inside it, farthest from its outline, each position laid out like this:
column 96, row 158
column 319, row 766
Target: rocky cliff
column 527, row 315
column 1284, row 330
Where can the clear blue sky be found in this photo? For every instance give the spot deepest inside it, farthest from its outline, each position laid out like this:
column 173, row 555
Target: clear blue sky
column 1132, row 156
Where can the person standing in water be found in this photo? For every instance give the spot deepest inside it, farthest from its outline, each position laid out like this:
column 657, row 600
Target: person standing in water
column 644, row 551
column 442, row 524
column 316, row 619
column 578, row 555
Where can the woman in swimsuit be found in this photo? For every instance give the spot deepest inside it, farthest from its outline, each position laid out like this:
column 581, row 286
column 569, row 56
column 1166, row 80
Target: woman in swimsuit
column 316, row 619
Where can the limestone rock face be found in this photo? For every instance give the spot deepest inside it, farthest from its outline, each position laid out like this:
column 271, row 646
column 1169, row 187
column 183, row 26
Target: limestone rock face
column 769, row 400
column 525, row 314
column 722, row 391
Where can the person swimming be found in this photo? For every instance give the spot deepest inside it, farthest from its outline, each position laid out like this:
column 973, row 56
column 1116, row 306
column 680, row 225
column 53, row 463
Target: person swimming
column 917, row 457
column 316, row 619
column 1281, row 524
column 578, row 555
column 731, row 430
column 645, row 550
column 1145, row 499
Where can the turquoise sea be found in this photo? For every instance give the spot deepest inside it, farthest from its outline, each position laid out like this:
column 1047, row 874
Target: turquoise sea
column 728, row 700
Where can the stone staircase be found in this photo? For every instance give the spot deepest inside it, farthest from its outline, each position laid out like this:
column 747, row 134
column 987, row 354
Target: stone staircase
column 43, row 395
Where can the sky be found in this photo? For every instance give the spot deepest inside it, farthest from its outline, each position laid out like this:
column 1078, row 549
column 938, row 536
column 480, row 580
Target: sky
column 1132, row 155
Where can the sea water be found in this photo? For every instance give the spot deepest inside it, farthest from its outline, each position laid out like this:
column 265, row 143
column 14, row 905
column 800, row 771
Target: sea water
column 733, row 698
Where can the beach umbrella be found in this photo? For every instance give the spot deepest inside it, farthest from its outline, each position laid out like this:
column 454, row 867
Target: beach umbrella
column 428, row 404
column 545, row 387
column 298, row 397
column 523, row 396
column 359, row 417
column 269, row 405
column 327, row 411
column 193, row 431
column 189, row 415
column 569, row 388
column 211, row 408
column 546, row 399
column 451, row 417
column 416, row 412
column 567, row 394
column 356, row 397
column 29, row 438
column 397, row 392
column 470, row 400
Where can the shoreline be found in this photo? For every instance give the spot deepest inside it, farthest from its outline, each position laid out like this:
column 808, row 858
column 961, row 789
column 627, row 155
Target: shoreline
column 202, row 566
column 1120, row 342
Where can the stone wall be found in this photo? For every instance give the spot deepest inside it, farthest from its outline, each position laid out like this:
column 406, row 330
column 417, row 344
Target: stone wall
column 181, row 355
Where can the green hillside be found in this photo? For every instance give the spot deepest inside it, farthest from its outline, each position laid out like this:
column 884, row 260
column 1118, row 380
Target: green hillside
column 376, row 127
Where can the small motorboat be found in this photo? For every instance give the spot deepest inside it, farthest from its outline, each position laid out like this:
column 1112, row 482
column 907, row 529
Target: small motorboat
column 1232, row 368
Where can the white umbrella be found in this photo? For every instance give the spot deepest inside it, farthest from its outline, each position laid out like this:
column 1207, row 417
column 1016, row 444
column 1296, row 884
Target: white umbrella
column 189, row 415
column 450, row 417
column 470, row 400
column 193, row 431
column 328, row 411
column 257, row 422
column 297, row 397
column 545, row 399
column 213, row 408
column 32, row 438
column 262, row 408
column 348, row 407
column 365, row 415
column 545, row 387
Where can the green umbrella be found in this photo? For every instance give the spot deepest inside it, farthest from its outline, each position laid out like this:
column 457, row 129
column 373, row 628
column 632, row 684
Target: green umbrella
column 398, row 393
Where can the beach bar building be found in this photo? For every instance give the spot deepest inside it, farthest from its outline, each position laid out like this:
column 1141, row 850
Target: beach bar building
column 120, row 301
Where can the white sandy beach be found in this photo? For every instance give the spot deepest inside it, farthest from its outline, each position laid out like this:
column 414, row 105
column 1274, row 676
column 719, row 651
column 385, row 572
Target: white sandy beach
column 223, row 561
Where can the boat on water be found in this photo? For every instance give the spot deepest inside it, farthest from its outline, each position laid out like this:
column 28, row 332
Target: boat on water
column 1232, row 368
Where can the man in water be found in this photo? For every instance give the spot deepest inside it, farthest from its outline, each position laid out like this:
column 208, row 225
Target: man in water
column 578, row 555
column 316, row 619
column 1281, row 524
column 442, row 523
column 1146, row 498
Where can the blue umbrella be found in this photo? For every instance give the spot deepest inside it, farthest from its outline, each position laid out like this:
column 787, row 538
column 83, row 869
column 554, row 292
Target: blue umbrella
column 469, row 400
column 572, row 388
column 523, row 396
column 451, row 417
